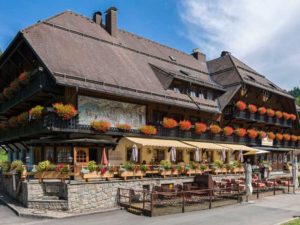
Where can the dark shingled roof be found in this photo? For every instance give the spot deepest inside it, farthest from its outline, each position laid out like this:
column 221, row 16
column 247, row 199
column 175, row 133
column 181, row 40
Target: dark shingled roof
column 78, row 52
column 229, row 70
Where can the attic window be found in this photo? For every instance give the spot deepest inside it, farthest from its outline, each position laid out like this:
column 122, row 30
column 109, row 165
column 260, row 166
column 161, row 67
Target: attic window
column 272, row 85
column 251, row 78
column 184, row 72
column 172, row 58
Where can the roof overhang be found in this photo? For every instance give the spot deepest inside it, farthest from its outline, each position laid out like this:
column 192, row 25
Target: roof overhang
column 147, row 142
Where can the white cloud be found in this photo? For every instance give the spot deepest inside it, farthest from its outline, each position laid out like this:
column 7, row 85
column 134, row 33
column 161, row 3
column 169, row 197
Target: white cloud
column 264, row 34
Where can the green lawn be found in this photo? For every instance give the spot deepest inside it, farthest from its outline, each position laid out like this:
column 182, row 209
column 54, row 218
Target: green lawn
column 294, row 222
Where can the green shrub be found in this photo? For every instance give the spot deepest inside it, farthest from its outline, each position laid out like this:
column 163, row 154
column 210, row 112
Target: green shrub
column 128, row 166
column 166, row 164
column 92, row 166
column 4, row 166
column 16, row 164
column 144, row 168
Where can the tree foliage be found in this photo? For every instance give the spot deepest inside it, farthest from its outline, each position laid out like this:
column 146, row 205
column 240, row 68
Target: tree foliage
column 296, row 93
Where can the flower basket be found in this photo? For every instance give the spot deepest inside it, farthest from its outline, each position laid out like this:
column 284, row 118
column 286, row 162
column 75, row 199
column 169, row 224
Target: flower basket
column 293, row 117
column 227, row 131
column 271, row 135
column 262, row 110
column 200, row 128
column 294, row 138
column 101, row 126
column 125, row 127
column 278, row 114
column 252, row 108
column 262, row 134
column 279, row 137
column 270, row 112
column 169, row 123
column 165, row 173
column 215, row 129
column 185, row 125
column 240, row 132
column 148, row 130
column 252, row 133
column 36, row 112
column 286, row 116
column 286, row 137
column 241, row 105
column 66, row 112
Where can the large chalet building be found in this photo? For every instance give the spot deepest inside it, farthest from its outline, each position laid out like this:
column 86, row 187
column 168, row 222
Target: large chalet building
column 129, row 90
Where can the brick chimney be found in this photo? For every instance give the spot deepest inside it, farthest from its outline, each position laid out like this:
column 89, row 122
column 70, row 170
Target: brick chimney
column 97, row 18
column 111, row 21
column 198, row 55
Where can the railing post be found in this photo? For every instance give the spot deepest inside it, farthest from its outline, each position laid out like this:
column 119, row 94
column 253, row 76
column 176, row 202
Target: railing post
column 183, row 202
column 143, row 200
column 210, row 199
column 288, row 185
column 151, row 203
column 274, row 192
column 257, row 190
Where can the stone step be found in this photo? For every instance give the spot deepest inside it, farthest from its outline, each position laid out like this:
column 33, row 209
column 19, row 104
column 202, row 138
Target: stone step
column 56, row 205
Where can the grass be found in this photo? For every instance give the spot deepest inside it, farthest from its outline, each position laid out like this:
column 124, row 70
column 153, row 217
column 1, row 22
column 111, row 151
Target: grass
column 293, row 222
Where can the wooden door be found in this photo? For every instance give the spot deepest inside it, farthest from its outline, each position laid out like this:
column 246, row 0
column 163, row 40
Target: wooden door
column 81, row 158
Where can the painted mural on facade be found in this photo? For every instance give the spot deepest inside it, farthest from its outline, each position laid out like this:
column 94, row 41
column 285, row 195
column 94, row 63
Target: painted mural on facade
column 115, row 112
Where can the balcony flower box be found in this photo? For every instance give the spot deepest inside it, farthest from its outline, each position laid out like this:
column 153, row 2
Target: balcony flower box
column 51, row 175
column 165, row 173
column 192, row 172
column 125, row 174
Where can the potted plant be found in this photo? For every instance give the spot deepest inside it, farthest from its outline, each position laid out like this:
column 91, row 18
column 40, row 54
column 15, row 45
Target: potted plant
column 218, row 167
column 293, row 117
column 24, row 78
column 294, row 138
column 271, row 135
column 203, row 167
column 185, row 125
column 252, row 133
column 148, row 130
column 240, row 132
column 228, row 130
column 22, row 119
column 270, row 112
column 286, row 137
column 241, row 105
column 200, row 128
column 66, row 112
column 228, row 167
column 46, row 170
column 176, row 170
column 101, row 125
column 124, row 127
column 190, row 169
column 169, row 123
column 278, row 114
column 165, row 168
column 129, row 170
column 262, row 110
column 215, row 129
column 286, row 116
column 92, row 166
column 252, row 108
column 279, row 137
column 262, row 134
column 36, row 112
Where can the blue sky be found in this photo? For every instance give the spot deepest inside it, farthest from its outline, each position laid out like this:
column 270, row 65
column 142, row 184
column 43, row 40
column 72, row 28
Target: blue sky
column 154, row 19
column 263, row 34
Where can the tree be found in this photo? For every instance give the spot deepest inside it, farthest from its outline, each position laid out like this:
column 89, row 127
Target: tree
column 295, row 92
column 298, row 101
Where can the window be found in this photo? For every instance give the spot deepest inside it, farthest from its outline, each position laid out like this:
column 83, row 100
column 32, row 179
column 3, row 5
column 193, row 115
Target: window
column 192, row 93
column 201, row 95
column 209, row 96
column 49, row 154
column 129, row 153
column 63, row 154
column 179, row 156
column 192, row 153
column 176, row 89
column 81, row 156
column 160, row 155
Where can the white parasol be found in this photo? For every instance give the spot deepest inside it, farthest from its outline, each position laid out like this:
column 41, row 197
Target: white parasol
column 223, row 155
column 197, row 155
column 135, row 154
column 173, row 154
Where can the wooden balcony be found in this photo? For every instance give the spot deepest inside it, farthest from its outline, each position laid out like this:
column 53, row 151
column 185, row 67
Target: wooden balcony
column 256, row 117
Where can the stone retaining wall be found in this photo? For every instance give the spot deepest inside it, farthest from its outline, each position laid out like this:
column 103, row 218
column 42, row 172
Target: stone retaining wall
column 82, row 196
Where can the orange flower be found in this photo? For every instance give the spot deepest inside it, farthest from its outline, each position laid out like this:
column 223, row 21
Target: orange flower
column 241, row 132
column 262, row 110
column 294, row 138
column 148, row 130
column 286, row 116
column 279, row 137
column 185, row 125
column 252, row 133
column 200, row 128
column 124, row 126
column 228, row 130
column 101, row 125
column 215, row 129
column 271, row 135
column 67, row 111
column 278, row 114
column 252, row 108
column 293, row 117
column 241, row 105
column 169, row 123
column 286, row 137
column 270, row 112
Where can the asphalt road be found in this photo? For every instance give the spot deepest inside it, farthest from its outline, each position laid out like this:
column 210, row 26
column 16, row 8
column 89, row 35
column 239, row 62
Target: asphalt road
column 271, row 210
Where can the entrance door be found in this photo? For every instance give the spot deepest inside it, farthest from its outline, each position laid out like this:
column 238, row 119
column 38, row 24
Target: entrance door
column 81, row 158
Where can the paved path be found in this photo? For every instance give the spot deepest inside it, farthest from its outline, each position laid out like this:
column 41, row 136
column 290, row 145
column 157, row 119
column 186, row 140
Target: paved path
column 270, row 210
